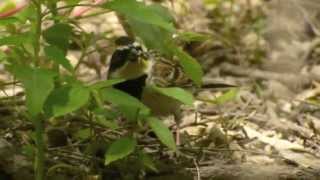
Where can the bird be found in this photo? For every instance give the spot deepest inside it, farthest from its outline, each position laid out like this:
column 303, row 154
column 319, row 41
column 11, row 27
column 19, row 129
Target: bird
column 142, row 70
column 166, row 73
column 128, row 62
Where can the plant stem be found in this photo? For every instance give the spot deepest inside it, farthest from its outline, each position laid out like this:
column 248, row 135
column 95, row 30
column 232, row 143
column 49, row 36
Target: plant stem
column 39, row 161
column 37, row 32
column 38, row 121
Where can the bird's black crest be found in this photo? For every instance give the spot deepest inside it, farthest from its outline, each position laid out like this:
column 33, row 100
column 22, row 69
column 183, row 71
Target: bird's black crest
column 125, row 52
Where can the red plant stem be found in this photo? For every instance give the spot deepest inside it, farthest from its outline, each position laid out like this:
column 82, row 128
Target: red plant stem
column 78, row 11
column 13, row 11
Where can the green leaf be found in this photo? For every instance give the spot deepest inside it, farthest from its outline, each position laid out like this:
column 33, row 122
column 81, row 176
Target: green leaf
column 130, row 106
column 83, row 134
column 58, row 57
column 69, row 79
column 106, row 118
column 7, row 6
column 192, row 37
column 139, row 12
column 72, row 2
column 28, row 150
column 66, row 99
column 106, row 83
column 38, row 84
column 118, row 97
column 162, row 11
column 120, row 149
column 15, row 39
column 107, row 113
column 8, row 21
column 190, row 66
column 176, row 93
column 152, row 36
column 58, row 35
column 147, row 161
column 2, row 56
column 28, row 13
column 162, row 132
column 107, row 123
column 228, row 96
column 213, row 2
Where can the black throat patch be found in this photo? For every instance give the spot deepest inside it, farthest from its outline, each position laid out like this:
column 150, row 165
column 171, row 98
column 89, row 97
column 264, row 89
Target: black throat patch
column 134, row 87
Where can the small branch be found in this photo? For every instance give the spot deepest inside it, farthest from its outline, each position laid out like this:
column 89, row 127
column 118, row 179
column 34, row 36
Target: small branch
column 289, row 79
column 197, row 168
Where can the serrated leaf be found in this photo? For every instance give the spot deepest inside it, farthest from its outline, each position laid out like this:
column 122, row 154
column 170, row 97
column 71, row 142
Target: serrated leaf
column 38, row 84
column 190, row 66
column 139, row 12
column 58, row 35
column 176, row 93
column 57, row 55
column 106, row 83
column 66, row 99
column 130, row 106
column 162, row 132
column 120, row 149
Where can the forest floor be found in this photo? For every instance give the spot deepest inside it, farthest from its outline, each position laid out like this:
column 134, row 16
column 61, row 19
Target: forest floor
column 267, row 127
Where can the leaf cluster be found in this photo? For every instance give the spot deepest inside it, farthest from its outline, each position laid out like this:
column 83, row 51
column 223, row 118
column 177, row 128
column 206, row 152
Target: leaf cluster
column 52, row 87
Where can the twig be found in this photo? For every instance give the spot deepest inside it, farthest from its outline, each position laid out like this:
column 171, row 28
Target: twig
column 214, row 150
column 285, row 78
column 197, row 168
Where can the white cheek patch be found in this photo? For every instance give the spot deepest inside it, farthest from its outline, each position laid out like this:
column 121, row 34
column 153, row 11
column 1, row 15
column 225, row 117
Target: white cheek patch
column 136, row 44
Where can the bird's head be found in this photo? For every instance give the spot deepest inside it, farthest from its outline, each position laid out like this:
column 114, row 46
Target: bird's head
column 129, row 59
